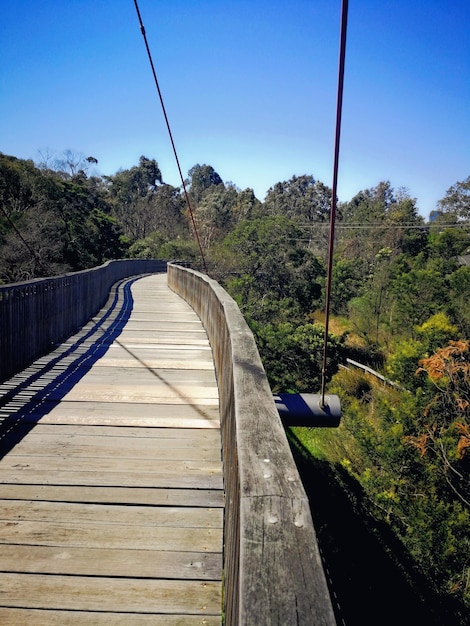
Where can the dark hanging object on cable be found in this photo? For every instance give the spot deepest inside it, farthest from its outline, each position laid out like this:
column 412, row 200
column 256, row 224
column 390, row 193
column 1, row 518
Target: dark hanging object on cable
column 305, row 409
column 321, row 409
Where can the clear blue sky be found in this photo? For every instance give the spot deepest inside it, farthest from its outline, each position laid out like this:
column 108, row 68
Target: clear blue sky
column 249, row 87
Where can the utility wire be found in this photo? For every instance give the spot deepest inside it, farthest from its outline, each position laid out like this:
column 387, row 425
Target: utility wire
column 188, row 203
column 397, row 226
column 339, row 106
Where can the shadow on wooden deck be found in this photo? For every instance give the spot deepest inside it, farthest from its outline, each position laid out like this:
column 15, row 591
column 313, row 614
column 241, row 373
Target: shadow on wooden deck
column 35, row 391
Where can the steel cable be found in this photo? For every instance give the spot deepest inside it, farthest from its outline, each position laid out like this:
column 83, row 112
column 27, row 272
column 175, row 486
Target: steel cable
column 188, row 203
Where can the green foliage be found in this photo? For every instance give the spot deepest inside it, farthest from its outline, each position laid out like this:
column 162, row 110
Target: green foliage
column 380, row 218
column 272, row 266
column 148, row 248
column 456, row 202
column 459, row 297
column 131, row 195
column 202, row 178
column 449, row 242
column 402, row 364
column 292, row 355
column 436, row 332
column 419, row 293
column 181, row 250
column 302, row 199
column 407, row 486
column 348, row 281
column 53, row 222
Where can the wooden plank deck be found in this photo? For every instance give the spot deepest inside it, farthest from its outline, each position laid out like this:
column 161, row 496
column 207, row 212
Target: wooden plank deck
column 111, row 483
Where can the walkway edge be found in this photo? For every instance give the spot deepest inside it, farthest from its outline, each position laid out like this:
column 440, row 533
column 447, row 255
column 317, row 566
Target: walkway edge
column 272, row 565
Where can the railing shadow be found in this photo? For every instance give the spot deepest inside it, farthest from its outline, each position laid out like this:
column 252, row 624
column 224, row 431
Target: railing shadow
column 162, row 379
column 370, row 574
column 34, row 392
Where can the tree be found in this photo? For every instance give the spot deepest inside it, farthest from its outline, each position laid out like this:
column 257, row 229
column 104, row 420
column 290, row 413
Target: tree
column 29, row 234
column 348, row 281
column 131, row 193
column 456, row 202
column 202, row 177
column 53, row 223
column 272, row 267
column 215, row 213
column 448, row 243
column 105, row 241
column 459, row 297
column 368, row 311
column 221, row 207
column 418, row 293
column 71, row 163
column 293, row 354
column 166, row 212
column 379, row 218
column 430, row 336
column 444, row 428
column 301, row 198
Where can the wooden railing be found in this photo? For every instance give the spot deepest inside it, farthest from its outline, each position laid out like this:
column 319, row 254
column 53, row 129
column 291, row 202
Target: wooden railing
column 37, row 315
column 272, row 567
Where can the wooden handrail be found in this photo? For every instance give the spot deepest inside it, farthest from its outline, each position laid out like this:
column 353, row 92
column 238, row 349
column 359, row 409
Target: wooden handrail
column 272, row 567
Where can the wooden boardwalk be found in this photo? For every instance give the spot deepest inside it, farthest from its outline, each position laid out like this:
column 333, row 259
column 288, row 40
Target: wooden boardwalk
column 111, row 481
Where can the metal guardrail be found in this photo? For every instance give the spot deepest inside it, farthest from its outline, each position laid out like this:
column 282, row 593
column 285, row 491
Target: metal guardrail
column 369, row 370
column 37, row 315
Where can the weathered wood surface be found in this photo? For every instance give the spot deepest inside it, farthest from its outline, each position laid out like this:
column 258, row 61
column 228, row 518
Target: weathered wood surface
column 272, row 566
column 39, row 313
column 34, row 617
column 111, row 487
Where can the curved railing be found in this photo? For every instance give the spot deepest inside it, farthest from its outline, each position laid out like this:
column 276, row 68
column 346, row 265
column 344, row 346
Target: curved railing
column 272, row 567
column 37, row 315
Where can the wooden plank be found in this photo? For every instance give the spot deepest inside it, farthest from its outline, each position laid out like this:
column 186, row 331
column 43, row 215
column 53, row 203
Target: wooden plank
column 116, row 594
column 38, row 617
column 125, row 413
column 112, row 536
column 201, row 421
column 77, row 446
column 114, row 495
column 183, row 362
column 165, row 394
column 78, row 513
column 147, row 322
column 160, row 436
column 70, row 561
column 134, row 349
column 138, row 376
column 191, row 337
column 63, row 463
column 175, row 480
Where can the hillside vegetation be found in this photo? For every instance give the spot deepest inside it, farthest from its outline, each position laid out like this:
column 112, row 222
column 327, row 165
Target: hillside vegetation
column 400, row 304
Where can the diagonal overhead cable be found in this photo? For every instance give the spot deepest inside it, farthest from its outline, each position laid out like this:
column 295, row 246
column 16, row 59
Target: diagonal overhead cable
column 188, row 203
column 339, row 107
